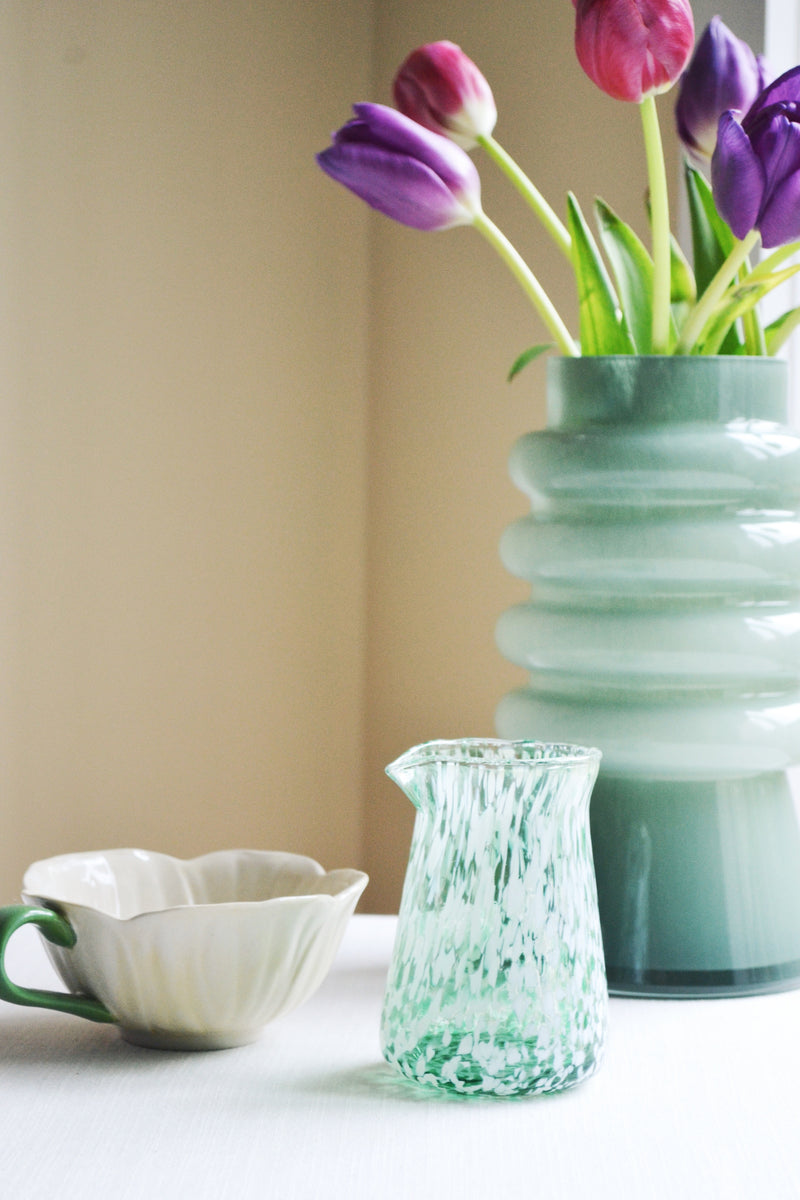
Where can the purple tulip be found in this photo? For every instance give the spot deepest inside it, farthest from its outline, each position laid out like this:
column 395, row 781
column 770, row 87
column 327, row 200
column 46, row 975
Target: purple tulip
column 755, row 170
column 633, row 48
column 442, row 89
column 723, row 73
column 403, row 170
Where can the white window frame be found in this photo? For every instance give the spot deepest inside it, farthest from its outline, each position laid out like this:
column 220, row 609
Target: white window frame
column 782, row 34
column 782, row 51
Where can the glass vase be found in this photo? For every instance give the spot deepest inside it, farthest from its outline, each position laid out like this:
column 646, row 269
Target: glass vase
column 663, row 553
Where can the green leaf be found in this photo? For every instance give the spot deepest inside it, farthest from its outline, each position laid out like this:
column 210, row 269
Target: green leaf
column 633, row 274
column 712, row 242
column 527, row 356
column 683, row 286
column 780, row 330
column 740, row 299
column 603, row 329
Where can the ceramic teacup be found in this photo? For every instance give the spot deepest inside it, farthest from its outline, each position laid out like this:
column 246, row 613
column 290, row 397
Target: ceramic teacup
column 194, row 954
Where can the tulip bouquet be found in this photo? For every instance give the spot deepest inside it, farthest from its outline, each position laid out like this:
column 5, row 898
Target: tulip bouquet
column 741, row 134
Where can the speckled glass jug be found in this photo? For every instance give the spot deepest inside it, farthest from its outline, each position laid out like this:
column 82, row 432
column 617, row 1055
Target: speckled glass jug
column 663, row 553
column 496, row 984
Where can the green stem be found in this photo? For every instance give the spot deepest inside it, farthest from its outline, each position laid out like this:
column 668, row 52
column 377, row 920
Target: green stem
column 529, row 283
column 703, row 310
column 659, row 210
column 774, row 260
column 555, row 228
column 754, row 339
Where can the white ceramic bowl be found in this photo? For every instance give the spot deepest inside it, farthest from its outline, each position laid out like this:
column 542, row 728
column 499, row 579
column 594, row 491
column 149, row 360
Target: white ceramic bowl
column 195, row 954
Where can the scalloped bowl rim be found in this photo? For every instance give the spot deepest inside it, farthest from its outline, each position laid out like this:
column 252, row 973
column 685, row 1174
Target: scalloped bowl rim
column 32, row 891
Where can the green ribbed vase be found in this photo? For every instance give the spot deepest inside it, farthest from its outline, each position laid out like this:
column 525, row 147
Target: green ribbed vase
column 663, row 626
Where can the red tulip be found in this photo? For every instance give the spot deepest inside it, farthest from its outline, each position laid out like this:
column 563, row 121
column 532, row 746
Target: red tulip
column 633, row 48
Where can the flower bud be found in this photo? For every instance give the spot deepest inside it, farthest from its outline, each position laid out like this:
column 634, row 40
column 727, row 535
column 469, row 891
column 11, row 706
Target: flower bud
column 403, row 170
column 723, row 73
column 633, row 48
column 442, row 89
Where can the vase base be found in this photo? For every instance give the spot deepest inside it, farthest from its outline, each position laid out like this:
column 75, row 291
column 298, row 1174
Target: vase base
column 698, row 885
column 703, row 985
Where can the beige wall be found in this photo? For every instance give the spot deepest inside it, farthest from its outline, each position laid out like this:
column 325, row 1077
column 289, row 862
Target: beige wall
column 182, row 440
column 253, row 444
column 449, row 323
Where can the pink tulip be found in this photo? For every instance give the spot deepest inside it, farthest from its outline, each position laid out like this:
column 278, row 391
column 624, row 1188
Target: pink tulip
column 633, row 48
column 442, row 89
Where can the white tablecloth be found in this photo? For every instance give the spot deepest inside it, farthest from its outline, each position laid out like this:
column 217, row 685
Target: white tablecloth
column 695, row 1099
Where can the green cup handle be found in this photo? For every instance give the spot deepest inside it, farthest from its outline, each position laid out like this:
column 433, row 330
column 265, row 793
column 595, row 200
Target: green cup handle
column 57, row 930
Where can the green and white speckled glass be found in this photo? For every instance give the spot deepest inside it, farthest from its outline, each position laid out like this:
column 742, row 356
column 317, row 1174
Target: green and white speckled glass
column 497, row 982
column 663, row 553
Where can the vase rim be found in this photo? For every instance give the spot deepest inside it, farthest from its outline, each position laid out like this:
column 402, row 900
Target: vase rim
column 653, row 389
column 670, row 358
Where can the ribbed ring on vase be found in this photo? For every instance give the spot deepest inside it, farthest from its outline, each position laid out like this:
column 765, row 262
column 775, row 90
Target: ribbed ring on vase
column 663, row 553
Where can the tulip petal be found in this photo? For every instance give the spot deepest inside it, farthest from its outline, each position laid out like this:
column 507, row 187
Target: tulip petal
column 442, row 89
column 779, row 220
column 417, row 177
column 737, row 177
column 774, row 138
column 786, row 88
column 394, row 131
column 723, row 73
column 397, row 185
column 430, row 81
column 632, row 48
column 611, row 47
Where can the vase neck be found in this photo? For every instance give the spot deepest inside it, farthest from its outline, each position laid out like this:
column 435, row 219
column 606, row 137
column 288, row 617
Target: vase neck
column 652, row 390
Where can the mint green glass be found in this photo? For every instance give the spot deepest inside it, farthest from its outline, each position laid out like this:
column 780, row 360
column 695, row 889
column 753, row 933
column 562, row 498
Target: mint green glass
column 663, row 554
column 496, row 984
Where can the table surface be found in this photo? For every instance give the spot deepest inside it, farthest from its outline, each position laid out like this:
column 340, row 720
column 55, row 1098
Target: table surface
column 694, row 1099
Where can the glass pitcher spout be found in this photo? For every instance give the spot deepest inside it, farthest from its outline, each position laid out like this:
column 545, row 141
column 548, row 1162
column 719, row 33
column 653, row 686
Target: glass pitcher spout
column 419, row 772
column 409, row 772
